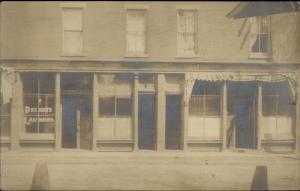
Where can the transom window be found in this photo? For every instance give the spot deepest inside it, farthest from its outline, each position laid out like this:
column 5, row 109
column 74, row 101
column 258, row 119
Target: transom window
column 186, row 32
column 136, row 31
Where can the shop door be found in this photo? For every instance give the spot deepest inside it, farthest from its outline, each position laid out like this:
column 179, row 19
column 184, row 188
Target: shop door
column 173, row 122
column 245, row 125
column 76, row 122
column 146, row 121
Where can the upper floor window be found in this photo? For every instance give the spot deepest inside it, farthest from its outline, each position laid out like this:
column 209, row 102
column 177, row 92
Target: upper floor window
column 72, row 31
column 260, row 36
column 186, row 32
column 136, row 32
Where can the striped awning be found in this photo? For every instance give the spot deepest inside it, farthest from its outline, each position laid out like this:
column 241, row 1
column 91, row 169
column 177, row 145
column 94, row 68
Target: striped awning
column 191, row 77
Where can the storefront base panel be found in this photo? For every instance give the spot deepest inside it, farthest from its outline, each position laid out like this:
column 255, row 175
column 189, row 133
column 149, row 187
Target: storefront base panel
column 37, row 146
column 214, row 147
column 278, row 147
column 114, row 146
column 4, row 147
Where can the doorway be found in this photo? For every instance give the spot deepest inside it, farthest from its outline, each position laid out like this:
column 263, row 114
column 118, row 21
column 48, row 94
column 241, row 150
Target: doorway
column 76, row 123
column 146, row 121
column 242, row 106
column 173, row 122
column 245, row 124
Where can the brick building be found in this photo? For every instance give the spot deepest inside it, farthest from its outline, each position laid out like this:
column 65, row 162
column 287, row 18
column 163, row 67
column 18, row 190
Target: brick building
column 128, row 76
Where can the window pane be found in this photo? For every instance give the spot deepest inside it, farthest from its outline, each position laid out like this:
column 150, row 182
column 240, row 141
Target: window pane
column 31, row 124
column 46, row 124
column 269, row 105
column 30, row 105
column 72, row 18
column 263, row 39
column 212, row 105
column 72, row 42
column 124, row 106
column 30, row 83
column 46, row 82
column 46, row 105
column 264, row 25
column 107, row 106
column 196, row 106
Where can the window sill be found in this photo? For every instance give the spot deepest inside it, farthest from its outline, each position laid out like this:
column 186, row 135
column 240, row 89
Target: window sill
column 37, row 136
column 259, row 56
column 136, row 55
column 182, row 56
column 72, row 55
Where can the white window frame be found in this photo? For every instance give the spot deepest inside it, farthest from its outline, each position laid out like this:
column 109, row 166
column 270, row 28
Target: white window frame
column 253, row 36
column 143, row 8
column 80, row 6
column 187, row 54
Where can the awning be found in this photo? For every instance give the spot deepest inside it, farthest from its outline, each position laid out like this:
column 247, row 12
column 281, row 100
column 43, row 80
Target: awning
column 191, row 77
column 262, row 8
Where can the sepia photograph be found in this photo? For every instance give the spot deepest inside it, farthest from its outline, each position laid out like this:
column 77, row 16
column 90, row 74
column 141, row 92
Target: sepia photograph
column 149, row 95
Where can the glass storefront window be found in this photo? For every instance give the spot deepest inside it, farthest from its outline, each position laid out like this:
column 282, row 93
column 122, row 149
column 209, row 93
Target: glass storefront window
column 114, row 106
column 39, row 102
column 205, row 99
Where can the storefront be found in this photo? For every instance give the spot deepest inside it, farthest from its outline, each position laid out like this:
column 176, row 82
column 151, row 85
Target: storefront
column 135, row 110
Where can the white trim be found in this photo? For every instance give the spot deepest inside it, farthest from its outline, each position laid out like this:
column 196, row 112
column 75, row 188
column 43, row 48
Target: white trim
column 137, row 6
column 186, row 7
column 72, row 5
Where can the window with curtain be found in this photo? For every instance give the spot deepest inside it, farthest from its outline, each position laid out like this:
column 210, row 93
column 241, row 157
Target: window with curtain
column 260, row 34
column 136, row 31
column 72, row 31
column 186, row 32
column 205, row 99
column 39, row 102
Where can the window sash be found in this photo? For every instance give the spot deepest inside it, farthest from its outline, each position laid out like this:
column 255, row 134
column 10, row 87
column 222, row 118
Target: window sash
column 200, row 105
column 136, row 31
column 260, row 34
column 186, row 31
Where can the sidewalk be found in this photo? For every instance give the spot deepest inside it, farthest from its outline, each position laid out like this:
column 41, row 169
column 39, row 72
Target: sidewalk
column 86, row 170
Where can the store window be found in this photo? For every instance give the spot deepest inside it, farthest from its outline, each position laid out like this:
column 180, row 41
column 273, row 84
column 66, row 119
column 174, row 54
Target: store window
column 136, row 32
column 186, row 32
column 260, row 36
column 276, row 100
column 39, row 101
column 205, row 99
column 115, row 106
column 72, row 31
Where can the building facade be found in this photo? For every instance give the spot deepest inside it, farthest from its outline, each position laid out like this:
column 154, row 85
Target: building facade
column 129, row 76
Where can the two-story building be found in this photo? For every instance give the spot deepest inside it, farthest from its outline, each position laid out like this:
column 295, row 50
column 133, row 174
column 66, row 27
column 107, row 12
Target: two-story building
column 129, row 76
